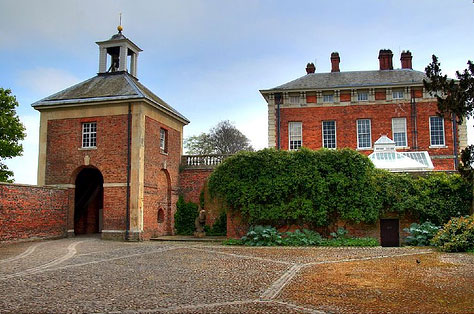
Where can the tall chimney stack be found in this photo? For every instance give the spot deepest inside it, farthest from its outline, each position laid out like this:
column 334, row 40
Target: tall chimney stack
column 335, row 62
column 385, row 59
column 406, row 58
column 310, row 68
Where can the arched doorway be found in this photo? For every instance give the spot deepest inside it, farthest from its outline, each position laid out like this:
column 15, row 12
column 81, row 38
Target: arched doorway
column 88, row 201
column 165, row 199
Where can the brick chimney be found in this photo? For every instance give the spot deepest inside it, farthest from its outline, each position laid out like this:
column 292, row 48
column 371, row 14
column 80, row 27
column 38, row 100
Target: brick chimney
column 405, row 58
column 310, row 68
column 335, row 62
column 385, row 59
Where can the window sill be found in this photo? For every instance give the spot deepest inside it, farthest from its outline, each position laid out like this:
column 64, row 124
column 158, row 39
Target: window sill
column 365, row 148
column 87, row 148
column 163, row 153
column 438, row 146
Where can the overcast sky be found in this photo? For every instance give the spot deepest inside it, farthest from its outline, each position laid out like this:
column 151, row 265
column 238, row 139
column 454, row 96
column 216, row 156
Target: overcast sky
column 208, row 59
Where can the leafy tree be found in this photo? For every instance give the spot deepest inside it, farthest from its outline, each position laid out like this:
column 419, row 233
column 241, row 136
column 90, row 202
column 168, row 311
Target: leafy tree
column 454, row 98
column 224, row 138
column 11, row 132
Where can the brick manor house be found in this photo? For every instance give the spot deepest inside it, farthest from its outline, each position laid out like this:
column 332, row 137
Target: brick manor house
column 115, row 146
column 355, row 108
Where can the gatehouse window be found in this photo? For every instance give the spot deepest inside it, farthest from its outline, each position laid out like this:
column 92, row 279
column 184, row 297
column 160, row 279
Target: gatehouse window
column 163, row 140
column 295, row 135
column 89, row 135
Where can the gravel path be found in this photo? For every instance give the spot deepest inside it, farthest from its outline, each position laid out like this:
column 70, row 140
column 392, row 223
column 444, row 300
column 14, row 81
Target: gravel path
column 84, row 275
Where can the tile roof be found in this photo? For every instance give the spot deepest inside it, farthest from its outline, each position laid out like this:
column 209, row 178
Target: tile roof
column 107, row 87
column 354, row 79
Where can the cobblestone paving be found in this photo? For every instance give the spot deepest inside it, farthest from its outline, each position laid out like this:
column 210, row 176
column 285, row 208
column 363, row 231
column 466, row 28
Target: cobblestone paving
column 83, row 275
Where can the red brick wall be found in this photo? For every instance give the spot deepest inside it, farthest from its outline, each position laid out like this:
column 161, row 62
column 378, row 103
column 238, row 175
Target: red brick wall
column 65, row 159
column 161, row 179
column 191, row 183
column 32, row 212
column 381, row 123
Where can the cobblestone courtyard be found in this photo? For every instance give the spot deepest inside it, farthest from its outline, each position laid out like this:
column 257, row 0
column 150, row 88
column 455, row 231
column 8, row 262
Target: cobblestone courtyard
column 91, row 275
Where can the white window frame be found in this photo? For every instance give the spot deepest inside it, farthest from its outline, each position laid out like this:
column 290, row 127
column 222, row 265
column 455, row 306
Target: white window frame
column 358, row 134
column 294, row 100
column 328, row 98
column 443, row 130
column 399, row 93
column 163, row 140
column 335, row 134
column 291, row 136
column 362, row 93
column 89, row 135
column 404, row 131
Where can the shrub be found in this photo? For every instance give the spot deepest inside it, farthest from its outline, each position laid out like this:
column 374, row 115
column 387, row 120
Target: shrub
column 421, row 235
column 317, row 188
column 262, row 236
column 186, row 213
column 219, row 228
column 351, row 242
column 232, row 242
column 302, row 238
column 456, row 236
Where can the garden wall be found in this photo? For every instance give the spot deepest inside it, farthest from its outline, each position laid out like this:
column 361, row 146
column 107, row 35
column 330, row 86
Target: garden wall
column 28, row 211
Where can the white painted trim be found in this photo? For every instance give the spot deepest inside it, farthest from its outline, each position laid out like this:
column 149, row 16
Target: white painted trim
column 444, row 133
column 67, row 186
column 113, row 185
column 335, row 132
column 113, row 231
column 370, row 134
column 406, row 135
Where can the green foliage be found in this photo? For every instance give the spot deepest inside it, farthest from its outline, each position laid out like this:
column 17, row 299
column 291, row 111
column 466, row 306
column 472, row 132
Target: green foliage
column 302, row 238
column 454, row 98
column 262, row 236
column 185, row 216
column 269, row 236
column 317, row 188
column 340, row 234
column 219, row 228
column 421, row 235
column 314, row 187
column 11, row 132
column 457, row 235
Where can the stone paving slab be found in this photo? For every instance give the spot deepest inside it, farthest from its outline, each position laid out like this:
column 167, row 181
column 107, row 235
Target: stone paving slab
column 87, row 275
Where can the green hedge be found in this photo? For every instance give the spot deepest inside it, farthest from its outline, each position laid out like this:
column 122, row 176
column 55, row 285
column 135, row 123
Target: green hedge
column 318, row 187
column 185, row 216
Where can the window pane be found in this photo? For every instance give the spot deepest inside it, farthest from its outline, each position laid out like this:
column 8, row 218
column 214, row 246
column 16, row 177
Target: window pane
column 363, row 134
column 89, row 134
column 437, row 131
column 362, row 96
column 399, row 131
column 397, row 94
column 329, row 134
column 295, row 135
column 328, row 98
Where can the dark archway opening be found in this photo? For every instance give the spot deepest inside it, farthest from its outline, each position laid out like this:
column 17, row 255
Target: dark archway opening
column 88, row 201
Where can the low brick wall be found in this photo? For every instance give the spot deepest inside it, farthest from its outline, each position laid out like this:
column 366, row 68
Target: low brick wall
column 191, row 183
column 28, row 211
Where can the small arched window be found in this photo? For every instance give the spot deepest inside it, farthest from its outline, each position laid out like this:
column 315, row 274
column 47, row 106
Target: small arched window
column 161, row 215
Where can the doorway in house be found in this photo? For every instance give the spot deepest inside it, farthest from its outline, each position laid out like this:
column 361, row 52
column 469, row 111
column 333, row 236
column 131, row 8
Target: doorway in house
column 389, row 232
column 88, row 201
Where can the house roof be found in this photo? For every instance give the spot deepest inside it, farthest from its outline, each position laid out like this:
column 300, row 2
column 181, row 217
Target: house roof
column 353, row 79
column 107, row 87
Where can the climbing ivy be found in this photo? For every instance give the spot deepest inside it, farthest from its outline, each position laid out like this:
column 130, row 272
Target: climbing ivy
column 271, row 187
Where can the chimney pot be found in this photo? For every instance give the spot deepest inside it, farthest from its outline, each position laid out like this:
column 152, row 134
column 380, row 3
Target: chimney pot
column 385, row 59
column 335, row 62
column 406, row 58
column 310, row 68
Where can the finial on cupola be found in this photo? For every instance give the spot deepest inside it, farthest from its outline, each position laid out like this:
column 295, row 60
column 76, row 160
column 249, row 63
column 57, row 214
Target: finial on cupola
column 120, row 28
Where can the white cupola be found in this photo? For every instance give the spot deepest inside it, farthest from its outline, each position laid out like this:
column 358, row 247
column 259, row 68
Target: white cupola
column 123, row 54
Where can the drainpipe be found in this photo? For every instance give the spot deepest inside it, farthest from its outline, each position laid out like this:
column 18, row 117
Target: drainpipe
column 278, row 97
column 129, row 138
column 414, row 129
column 455, row 139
